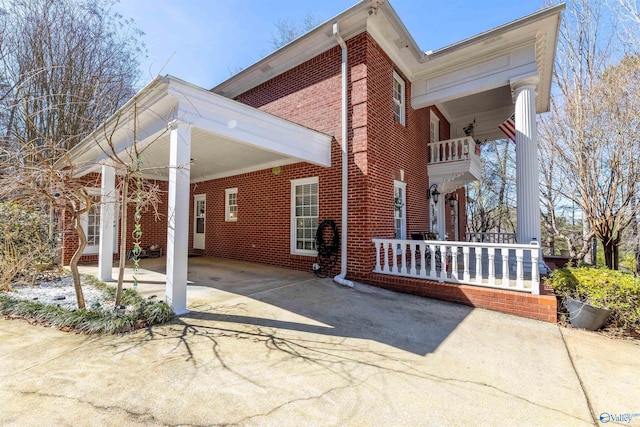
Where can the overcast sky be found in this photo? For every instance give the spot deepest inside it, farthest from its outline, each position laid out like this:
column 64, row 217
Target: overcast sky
column 205, row 41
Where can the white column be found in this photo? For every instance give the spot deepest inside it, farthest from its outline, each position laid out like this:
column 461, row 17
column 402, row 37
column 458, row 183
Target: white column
column 527, row 179
column 178, row 217
column 108, row 202
column 440, row 214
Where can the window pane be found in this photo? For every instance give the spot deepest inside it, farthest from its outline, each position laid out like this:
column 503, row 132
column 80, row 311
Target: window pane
column 306, row 215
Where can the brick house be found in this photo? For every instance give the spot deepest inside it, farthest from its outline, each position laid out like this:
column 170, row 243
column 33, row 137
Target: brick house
column 353, row 123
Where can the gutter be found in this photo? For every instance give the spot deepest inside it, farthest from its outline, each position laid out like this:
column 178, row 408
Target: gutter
column 341, row 278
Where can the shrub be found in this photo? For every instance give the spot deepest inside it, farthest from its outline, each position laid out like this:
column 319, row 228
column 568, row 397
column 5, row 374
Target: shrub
column 145, row 312
column 601, row 287
column 23, row 241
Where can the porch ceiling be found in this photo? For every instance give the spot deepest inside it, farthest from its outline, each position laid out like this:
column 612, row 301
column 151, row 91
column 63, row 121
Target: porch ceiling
column 489, row 109
column 227, row 138
column 213, row 156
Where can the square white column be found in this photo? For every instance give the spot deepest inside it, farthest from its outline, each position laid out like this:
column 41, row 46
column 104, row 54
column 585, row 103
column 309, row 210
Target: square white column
column 178, row 217
column 108, row 202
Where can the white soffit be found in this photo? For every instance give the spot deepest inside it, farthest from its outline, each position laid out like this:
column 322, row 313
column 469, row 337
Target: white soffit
column 228, row 138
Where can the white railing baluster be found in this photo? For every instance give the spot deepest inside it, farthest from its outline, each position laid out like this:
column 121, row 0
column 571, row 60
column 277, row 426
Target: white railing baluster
column 478, row 265
column 465, row 257
column 432, row 255
column 378, row 267
column 535, row 277
column 443, row 263
column 492, row 266
column 519, row 269
column 454, row 263
column 394, row 256
column 412, row 248
column 403, row 258
column 423, row 264
column 386, row 257
column 505, row 268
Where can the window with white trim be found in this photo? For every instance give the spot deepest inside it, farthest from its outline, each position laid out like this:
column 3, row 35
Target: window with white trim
column 90, row 223
column 304, row 215
column 231, row 204
column 93, row 222
column 434, row 128
column 398, row 98
column 400, row 209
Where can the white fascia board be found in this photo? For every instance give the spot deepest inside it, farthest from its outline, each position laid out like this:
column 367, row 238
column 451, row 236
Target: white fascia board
column 490, row 74
column 116, row 124
column 242, row 123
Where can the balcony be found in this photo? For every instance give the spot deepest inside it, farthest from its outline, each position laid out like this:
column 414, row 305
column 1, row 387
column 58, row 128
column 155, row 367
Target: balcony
column 454, row 163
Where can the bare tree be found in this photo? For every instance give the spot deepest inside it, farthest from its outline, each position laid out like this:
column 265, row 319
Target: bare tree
column 288, row 30
column 66, row 66
column 592, row 129
column 492, row 200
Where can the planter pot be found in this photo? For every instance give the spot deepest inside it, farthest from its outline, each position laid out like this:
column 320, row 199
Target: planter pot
column 586, row 316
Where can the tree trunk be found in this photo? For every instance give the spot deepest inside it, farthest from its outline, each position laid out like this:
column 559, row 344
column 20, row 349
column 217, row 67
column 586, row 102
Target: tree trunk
column 590, row 257
column 123, row 237
column 608, row 247
column 73, row 264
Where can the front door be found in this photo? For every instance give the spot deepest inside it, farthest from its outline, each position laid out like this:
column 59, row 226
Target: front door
column 199, row 220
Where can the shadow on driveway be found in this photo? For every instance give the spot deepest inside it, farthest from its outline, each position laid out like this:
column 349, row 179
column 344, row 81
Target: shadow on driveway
column 297, row 301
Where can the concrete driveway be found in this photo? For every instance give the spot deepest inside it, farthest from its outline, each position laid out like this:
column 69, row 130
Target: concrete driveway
column 266, row 346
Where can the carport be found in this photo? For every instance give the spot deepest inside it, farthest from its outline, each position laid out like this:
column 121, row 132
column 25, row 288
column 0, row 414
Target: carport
column 185, row 134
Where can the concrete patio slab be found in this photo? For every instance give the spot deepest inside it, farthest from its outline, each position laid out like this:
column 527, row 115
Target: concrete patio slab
column 265, row 346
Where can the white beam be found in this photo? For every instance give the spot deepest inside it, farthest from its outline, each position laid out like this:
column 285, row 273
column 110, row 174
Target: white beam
column 108, row 201
column 178, row 217
column 461, row 81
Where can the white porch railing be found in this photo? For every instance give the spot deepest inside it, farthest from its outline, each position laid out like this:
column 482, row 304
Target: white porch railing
column 494, row 265
column 492, row 237
column 452, row 150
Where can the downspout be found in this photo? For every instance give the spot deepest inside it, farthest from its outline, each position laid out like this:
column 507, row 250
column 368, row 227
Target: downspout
column 341, row 278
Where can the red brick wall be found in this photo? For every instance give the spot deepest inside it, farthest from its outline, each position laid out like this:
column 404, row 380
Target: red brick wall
column 539, row 307
column 378, row 149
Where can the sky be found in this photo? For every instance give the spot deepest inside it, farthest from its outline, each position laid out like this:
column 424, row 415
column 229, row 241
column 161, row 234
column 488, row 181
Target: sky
column 207, row 41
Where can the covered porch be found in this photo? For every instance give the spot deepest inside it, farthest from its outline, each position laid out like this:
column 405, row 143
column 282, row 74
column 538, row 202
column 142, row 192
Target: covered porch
column 479, row 84
column 184, row 135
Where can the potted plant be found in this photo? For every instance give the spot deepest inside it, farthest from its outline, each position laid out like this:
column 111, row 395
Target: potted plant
column 585, row 315
column 469, row 131
column 587, row 308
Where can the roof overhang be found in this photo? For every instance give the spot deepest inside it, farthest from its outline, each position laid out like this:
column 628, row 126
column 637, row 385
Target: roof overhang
column 227, row 138
column 458, row 79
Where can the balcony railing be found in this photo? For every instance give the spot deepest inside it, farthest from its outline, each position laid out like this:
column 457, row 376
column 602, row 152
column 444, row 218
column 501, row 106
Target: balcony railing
column 452, row 150
column 494, row 265
column 492, row 237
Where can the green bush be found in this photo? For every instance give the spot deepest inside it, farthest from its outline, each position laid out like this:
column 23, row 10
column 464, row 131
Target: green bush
column 23, row 241
column 601, row 287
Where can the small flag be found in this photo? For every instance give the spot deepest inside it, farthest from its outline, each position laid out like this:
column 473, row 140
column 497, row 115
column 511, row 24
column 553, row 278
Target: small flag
column 508, row 127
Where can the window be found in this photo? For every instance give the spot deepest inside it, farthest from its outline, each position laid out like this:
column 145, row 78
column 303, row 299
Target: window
column 90, row 222
column 93, row 222
column 400, row 209
column 231, row 204
column 434, row 128
column 398, row 98
column 304, row 215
